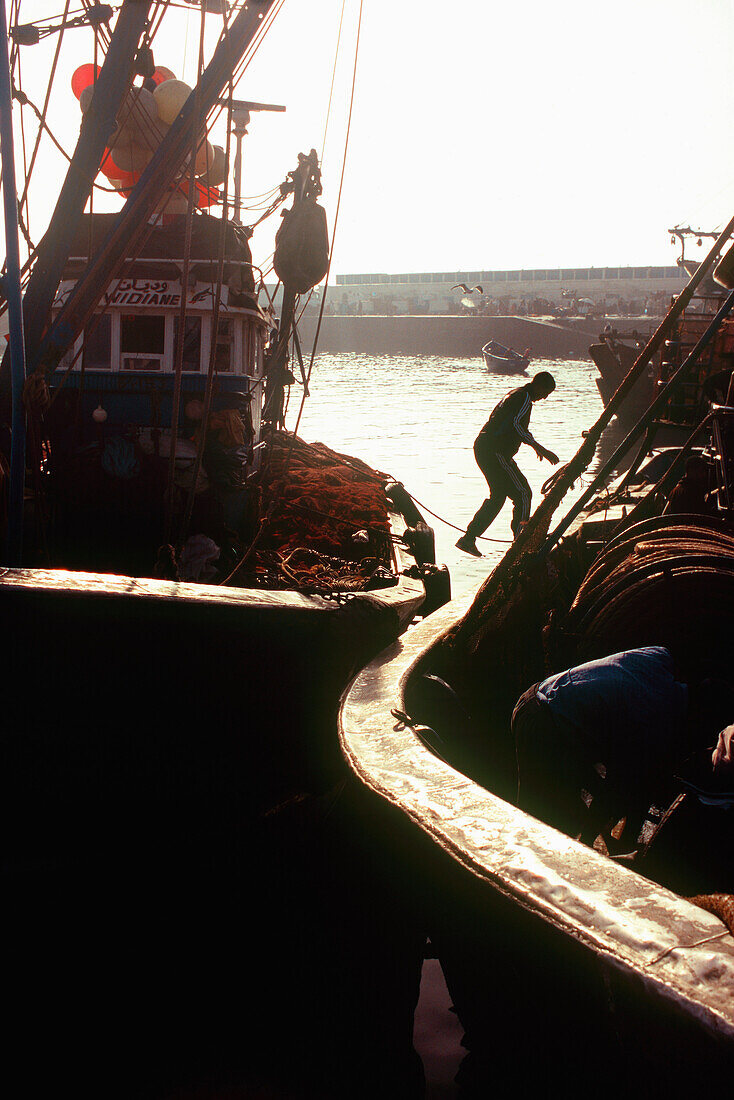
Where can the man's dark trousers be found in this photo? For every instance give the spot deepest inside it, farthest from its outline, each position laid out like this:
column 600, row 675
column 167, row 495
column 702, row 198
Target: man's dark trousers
column 504, row 480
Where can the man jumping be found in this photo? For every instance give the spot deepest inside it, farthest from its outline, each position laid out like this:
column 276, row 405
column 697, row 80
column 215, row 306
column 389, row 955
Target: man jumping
column 494, row 448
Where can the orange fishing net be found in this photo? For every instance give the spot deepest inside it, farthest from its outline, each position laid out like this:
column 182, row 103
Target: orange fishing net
column 321, row 500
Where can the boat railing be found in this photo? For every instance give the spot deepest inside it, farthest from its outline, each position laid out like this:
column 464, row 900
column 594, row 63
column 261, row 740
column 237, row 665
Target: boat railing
column 196, row 260
column 644, row 426
column 717, row 427
column 638, row 930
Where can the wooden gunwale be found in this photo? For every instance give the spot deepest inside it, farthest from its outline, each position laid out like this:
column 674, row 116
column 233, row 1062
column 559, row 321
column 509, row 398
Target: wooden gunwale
column 680, row 953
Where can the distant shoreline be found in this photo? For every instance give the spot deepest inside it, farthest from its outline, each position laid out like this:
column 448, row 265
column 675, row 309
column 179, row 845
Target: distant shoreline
column 459, row 336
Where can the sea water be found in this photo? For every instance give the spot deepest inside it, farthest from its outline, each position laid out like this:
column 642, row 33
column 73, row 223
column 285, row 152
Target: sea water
column 416, row 418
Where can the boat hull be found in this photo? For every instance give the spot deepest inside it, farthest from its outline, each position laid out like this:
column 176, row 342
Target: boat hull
column 499, row 364
column 170, row 762
column 501, row 360
column 613, row 366
column 531, row 920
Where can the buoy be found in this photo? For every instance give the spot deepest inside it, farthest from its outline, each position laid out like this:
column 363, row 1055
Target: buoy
column 204, row 157
column 131, row 157
column 99, row 415
column 115, row 174
column 82, row 77
column 194, row 409
column 170, row 97
column 162, row 73
column 216, row 174
column 86, row 98
column 137, row 120
column 174, row 203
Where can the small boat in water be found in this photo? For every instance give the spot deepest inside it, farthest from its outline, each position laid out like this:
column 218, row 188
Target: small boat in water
column 502, row 360
column 622, row 944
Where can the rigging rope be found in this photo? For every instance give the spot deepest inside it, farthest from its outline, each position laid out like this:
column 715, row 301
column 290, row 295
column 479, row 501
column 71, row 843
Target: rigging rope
column 178, row 365
column 333, row 77
column 214, row 328
column 336, row 216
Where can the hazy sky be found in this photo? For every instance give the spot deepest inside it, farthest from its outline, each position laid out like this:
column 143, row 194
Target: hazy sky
column 484, row 135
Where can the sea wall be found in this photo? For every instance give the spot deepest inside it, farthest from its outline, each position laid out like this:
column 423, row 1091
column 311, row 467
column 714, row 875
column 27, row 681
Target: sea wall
column 448, row 336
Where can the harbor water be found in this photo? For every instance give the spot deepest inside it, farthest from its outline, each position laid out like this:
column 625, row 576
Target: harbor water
column 416, row 418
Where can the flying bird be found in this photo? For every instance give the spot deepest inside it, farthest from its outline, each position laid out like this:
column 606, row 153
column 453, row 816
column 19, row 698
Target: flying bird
column 468, row 289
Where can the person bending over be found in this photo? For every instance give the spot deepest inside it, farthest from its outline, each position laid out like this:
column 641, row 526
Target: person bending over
column 494, row 448
column 628, row 718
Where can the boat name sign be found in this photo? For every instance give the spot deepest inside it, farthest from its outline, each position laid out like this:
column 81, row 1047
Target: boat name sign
column 150, row 292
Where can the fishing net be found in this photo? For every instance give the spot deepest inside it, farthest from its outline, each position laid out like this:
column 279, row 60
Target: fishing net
column 327, row 518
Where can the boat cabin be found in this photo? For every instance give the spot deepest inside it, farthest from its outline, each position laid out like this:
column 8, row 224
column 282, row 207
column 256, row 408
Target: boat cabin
column 124, row 364
column 109, row 430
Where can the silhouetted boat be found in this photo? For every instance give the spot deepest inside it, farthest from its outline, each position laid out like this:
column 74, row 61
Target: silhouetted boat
column 189, row 588
column 502, row 360
column 602, row 939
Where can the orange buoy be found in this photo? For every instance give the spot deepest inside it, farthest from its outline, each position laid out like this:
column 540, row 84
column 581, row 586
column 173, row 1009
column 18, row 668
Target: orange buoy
column 82, row 77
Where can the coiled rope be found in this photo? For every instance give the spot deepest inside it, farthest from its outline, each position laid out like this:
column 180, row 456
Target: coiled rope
column 663, row 581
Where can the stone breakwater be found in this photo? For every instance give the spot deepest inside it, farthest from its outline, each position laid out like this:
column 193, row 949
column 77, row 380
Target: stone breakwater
column 456, row 336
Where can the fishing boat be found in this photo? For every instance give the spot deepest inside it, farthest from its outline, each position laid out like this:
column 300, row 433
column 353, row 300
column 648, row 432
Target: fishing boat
column 502, row 360
column 613, row 356
column 612, row 949
column 615, row 353
column 188, row 587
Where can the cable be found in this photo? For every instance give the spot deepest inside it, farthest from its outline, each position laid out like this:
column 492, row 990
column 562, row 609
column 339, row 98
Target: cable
column 336, row 215
column 333, row 77
column 448, row 523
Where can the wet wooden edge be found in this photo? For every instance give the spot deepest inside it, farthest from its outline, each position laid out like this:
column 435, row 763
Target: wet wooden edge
column 405, row 597
column 678, row 951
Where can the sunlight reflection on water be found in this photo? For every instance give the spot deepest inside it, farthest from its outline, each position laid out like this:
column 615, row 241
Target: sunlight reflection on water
column 416, row 418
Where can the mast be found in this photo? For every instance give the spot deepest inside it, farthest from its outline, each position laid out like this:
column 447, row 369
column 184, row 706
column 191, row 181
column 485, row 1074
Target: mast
column 306, row 185
column 11, row 289
column 132, row 222
column 241, row 109
column 97, row 124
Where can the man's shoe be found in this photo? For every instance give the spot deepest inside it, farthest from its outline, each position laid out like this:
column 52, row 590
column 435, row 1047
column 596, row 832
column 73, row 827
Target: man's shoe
column 469, row 546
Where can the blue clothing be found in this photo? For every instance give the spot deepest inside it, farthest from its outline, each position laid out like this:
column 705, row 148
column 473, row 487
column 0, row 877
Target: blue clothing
column 507, row 426
column 625, row 708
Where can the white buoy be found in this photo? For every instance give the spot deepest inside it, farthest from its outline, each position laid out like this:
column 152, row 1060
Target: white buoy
column 170, row 97
column 137, row 120
column 216, row 175
column 204, row 158
column 131, row 157
column 99, row 415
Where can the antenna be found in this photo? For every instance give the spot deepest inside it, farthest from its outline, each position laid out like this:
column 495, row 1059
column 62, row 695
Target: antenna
column 241, row 109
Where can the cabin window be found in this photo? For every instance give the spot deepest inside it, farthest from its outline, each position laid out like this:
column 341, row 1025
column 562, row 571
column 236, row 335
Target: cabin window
column 191, row 344
column 224, row 352
column 98, row 343
column 142, row 341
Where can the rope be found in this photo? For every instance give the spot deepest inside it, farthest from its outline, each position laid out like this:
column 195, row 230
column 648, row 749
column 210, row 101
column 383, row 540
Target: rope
column 178, row 365
column 425, row 508
column 333, row 76
column 272, row 508
column 24, row 197
column 214, row 329
column 336, row 213
column 448, row 523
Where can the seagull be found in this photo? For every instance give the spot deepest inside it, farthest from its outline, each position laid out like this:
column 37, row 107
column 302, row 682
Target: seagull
column 468, row 289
